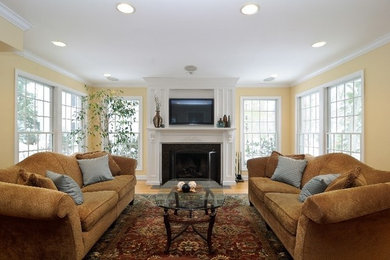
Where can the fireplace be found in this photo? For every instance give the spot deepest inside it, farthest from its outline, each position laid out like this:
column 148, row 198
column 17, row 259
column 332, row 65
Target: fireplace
column 191, row 162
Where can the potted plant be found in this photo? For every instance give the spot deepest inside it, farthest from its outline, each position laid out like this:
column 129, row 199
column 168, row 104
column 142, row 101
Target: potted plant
column 110, row 118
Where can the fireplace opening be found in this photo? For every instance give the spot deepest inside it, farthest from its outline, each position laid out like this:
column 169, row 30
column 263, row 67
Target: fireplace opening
column 191, row 162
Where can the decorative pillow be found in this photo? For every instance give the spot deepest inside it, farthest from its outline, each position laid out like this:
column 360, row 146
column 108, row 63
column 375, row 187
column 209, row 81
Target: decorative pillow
column 66, row 184
column 316, row 185
column 289, row 171
column 352, row 178
column 272, row 162
column 114, row 167
column 95, row 170
column 35, row 180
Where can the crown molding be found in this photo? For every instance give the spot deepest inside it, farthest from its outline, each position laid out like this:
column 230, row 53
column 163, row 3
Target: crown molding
column 201, row 83
column 281, row 84
column 28, row 55
column 372, row 46
column 14, row 18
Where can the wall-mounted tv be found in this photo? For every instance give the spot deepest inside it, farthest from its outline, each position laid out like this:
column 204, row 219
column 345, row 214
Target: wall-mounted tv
column 191, row 111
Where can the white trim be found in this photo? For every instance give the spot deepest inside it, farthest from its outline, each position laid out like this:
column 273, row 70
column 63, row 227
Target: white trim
column 56, row 104
column 140, row 130
column 324, row 110
column 298, row 116
column 141, row 177
column 370, row 47
column 264, row 85
column 14, row 18
column 278, row 122
column 30, row 56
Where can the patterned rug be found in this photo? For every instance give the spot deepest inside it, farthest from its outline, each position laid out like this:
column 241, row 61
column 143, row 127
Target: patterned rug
column 139, row 233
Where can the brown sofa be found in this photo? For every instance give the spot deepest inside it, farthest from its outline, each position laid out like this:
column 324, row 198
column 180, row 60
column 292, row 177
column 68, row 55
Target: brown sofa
column 40, row 223
column 351, row 223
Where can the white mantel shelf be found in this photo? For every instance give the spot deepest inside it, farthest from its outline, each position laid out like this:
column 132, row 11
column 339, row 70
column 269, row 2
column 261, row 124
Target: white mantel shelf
column 192, row 129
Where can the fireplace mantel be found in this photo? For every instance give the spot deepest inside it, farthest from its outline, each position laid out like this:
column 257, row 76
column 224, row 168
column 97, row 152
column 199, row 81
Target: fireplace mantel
column 221, row 90
column 193, row 135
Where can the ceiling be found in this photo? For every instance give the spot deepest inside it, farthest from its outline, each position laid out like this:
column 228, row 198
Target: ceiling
column 163, row 36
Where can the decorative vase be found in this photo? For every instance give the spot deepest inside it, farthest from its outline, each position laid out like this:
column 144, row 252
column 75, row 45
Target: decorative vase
column 185, row 188
column 157, row 120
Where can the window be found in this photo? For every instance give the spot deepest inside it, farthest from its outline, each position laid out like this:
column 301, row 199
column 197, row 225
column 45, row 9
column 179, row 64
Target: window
column 39, row 128
column 259, row 121
column 34, row 117
column 344, row 131
column 71, row 104
column 309, row 124
column 132, row 148
column 333, row 113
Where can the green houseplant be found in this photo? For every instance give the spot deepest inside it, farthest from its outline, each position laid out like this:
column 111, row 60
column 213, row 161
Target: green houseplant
column 108, row 120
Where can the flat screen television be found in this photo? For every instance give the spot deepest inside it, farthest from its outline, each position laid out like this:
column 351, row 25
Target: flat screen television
column 191, row 111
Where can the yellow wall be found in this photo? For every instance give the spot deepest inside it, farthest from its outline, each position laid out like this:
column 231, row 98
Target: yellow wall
column 9, row 62
column 376, row 67
column 284, row 93
column 11, row 37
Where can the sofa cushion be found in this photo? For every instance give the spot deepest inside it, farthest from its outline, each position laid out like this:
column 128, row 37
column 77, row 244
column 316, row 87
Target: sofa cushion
column 122, row 184
column 96, row 205
column 273, row 159
column 316, row 185
column 95, row 170
column 352, row 178
column 286, row 208
column 289, row 171
column 66, row 184
column 114, row 167
column 262, row 185
column 35, row 180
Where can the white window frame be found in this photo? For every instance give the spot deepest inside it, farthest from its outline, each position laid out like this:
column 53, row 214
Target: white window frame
column 320, row 91
column 323, row 89
column 56, row 109
column 278, row 122
column 140, row 133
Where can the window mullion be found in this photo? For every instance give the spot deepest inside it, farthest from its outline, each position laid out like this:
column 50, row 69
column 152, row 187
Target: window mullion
column 57, row 120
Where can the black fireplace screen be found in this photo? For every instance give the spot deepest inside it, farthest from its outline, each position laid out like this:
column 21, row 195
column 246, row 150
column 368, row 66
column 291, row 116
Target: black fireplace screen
column 191, row 161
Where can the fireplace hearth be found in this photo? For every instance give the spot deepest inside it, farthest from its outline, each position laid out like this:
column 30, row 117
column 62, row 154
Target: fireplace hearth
column 191, row 162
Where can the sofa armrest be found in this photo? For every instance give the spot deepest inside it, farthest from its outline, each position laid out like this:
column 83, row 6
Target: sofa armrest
column 256, row 167
column 34, row 203
column 126, row 164
column 341, row 205
column 45, row 223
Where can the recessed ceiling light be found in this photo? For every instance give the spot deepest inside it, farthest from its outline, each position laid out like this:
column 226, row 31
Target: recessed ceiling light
column 107, row 75
column 58, row 43
column 318, row 44
column 125, row 8
column 249, row 9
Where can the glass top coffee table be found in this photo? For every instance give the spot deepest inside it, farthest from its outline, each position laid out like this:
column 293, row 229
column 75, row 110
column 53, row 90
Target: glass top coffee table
column 207, row 197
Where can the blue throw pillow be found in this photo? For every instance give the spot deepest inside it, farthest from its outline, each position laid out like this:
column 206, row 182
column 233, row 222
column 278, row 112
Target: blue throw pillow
column 289, row 171
column 316, row 185
column 66, row 184
column 95, row 170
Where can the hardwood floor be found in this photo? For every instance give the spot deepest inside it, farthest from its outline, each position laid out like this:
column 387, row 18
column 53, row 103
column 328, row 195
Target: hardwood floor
column 143, row 188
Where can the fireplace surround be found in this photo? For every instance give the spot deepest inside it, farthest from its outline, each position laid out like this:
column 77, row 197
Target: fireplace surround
column 221, row 90
column 191, row 162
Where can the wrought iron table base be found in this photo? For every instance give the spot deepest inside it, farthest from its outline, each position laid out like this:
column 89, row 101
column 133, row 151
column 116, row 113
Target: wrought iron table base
column 189, row 223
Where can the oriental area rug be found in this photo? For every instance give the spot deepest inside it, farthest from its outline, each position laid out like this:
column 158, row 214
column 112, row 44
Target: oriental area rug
column 139, row 233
